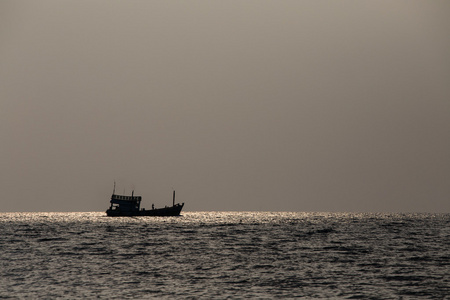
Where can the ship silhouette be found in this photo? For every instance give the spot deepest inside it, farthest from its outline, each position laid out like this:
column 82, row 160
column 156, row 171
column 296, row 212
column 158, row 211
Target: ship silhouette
column 130, row 206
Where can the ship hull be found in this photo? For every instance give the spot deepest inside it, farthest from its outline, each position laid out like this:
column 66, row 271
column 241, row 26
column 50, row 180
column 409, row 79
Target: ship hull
column 159, row 212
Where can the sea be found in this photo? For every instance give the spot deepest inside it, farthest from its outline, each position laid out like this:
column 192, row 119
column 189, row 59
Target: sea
column 225, row 255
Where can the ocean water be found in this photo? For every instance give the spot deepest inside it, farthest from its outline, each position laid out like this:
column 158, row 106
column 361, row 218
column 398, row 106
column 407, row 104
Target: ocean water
column 216, row 255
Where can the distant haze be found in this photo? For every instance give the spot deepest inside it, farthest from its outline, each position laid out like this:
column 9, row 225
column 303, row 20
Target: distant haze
column 238, row 105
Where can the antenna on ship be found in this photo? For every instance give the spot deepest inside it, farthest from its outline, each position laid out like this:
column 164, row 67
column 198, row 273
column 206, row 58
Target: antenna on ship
column 173, row 197
column 114, row 189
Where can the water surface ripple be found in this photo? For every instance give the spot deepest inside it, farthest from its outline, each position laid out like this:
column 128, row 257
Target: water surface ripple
column 225, row 255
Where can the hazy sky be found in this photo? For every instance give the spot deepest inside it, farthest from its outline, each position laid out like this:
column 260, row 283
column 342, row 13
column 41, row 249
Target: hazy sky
column 238, row 105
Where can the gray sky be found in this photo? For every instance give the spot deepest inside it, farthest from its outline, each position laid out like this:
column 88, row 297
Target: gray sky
column 238, row 105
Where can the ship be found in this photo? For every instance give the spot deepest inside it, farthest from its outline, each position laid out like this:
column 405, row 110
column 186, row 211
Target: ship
column 130, row 206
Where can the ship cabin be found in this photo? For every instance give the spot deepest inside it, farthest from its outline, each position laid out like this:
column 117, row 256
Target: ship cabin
column 125, row 203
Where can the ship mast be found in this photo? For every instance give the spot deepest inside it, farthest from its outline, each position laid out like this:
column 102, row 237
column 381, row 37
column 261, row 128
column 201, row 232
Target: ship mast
column 173, row 198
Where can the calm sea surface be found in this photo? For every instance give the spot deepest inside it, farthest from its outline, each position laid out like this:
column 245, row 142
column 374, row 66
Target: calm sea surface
column 225, row 255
